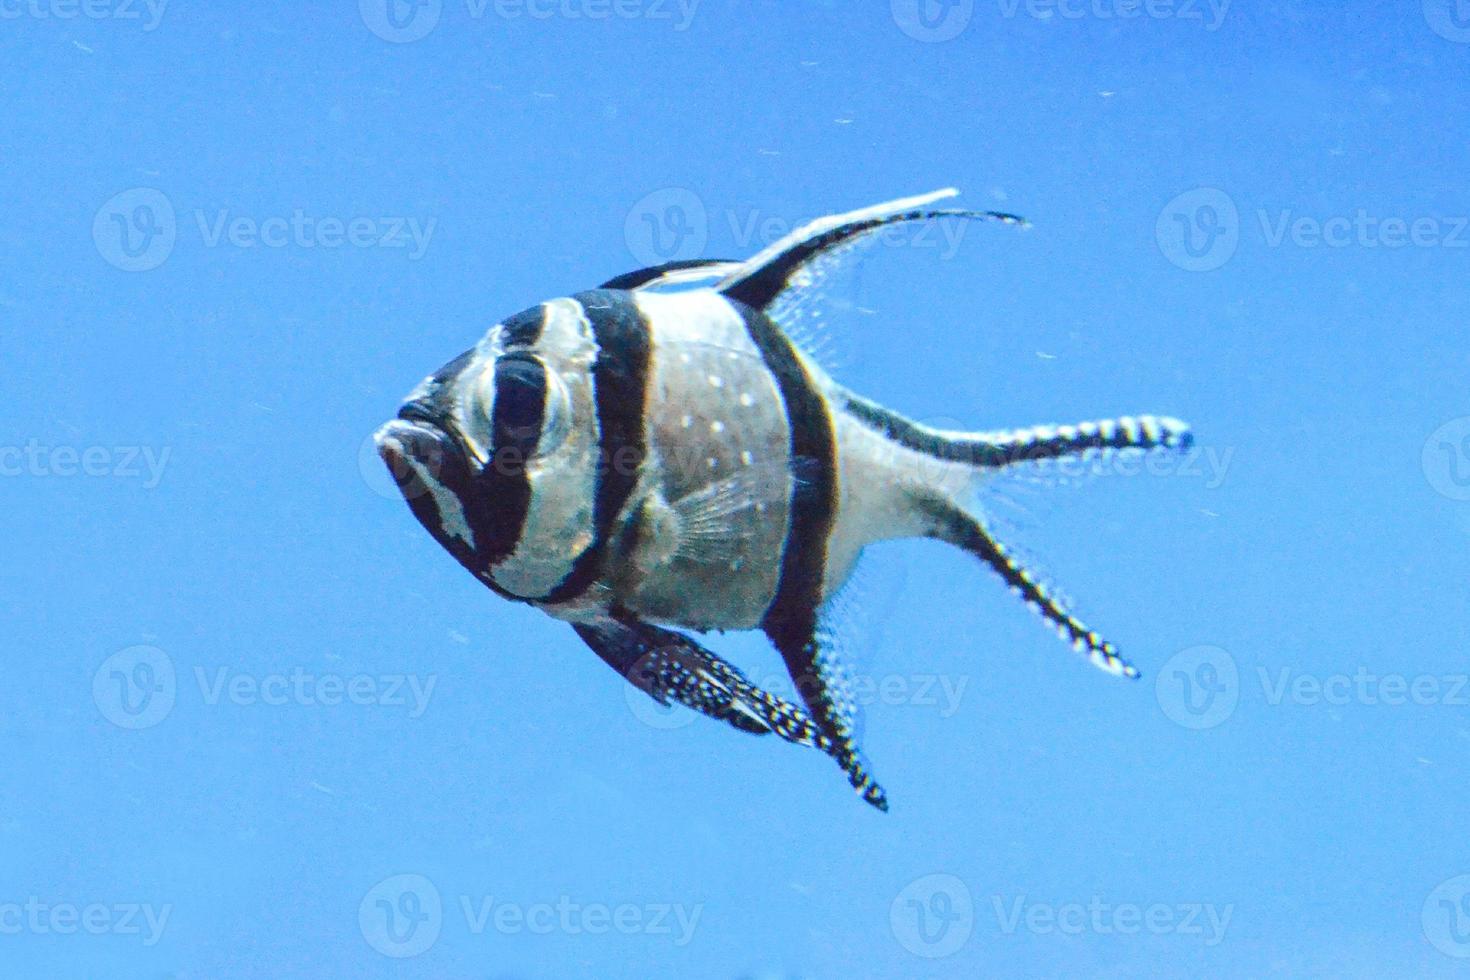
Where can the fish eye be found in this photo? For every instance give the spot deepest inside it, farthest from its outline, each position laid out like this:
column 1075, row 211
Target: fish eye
column 527, row 408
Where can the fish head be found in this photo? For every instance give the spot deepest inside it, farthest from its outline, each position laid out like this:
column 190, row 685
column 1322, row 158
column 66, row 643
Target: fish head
column 493, row 454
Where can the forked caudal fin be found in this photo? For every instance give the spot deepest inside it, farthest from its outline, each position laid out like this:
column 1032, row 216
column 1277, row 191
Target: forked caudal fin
column 964, row 527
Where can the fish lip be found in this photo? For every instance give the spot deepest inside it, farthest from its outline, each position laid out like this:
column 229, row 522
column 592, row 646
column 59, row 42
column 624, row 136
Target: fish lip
column 417, row 427
column 416, row 435
column 417, row 412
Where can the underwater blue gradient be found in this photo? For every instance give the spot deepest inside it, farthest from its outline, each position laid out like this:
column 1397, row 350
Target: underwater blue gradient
column 1208, row 197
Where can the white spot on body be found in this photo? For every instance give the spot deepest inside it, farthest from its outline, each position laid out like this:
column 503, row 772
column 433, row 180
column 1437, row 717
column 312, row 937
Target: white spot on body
column 746, row 399
column 717, row 427
column 713, row 463
column 746, row 457
column 686, row 421
column 715, row 381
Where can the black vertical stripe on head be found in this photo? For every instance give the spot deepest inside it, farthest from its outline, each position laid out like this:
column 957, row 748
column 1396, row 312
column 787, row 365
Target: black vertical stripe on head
column 620, row 392
column 502, row 490
column 791, row 619
column 438, row 452
column 524, row 329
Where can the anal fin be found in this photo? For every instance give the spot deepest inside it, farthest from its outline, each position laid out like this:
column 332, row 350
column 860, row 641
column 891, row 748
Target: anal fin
column 670, row 666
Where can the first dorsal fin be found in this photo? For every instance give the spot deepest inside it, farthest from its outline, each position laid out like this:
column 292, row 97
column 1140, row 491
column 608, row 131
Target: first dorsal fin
column 759, row 280
column 673, row 273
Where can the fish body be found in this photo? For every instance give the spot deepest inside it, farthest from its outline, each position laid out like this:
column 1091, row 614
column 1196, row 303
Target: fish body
column 636, row 461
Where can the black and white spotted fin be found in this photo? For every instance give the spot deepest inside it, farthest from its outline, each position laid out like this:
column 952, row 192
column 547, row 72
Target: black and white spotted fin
column 670, row 666
column 821, row 678
column 789, row 263
column 970, row 533
column 673, row 274
column 1003, row 448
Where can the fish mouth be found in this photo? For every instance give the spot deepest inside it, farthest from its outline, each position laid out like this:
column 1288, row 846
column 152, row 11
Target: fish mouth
column 419, row 450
